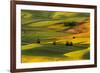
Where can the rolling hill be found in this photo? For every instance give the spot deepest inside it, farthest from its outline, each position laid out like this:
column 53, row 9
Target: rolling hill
column 49, row 27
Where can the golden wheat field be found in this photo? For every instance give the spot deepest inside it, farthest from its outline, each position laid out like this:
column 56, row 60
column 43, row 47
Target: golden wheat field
column 49, row 36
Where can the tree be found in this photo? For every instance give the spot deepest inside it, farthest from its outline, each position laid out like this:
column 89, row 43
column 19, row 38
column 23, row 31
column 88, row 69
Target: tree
column 74, row 37
column 67, row 43
column 54, row 42
column 71, row 43
column 70, row 24
column 38, row 41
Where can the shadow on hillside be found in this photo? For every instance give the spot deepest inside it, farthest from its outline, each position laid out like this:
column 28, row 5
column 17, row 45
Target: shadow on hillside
column 53, row 50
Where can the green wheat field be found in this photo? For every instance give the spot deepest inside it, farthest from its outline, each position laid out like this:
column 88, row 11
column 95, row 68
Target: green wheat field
column 48, row 36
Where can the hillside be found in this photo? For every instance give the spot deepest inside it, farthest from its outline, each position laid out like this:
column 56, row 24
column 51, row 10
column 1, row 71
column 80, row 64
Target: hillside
column 46, row 34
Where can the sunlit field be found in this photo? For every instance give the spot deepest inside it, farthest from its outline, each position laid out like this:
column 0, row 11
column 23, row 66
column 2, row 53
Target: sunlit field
column 48, row 36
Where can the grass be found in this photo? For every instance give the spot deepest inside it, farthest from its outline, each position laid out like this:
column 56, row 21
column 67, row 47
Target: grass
column 48, row 27
column 76, row 55
column 31, row 37
column 30, row 46
column 31, row 59
column 55, row 53
column 52, row 50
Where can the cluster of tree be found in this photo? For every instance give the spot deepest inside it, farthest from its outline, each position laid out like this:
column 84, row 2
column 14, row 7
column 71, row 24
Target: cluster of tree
column 70, row 23
column 69, row 43
column 73, row 23
column 54, row 43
